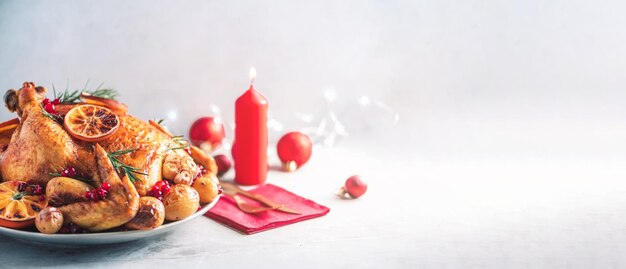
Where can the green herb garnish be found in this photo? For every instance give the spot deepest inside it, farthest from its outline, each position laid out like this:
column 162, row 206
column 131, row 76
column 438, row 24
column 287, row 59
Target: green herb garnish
column 19, row 195
column 56, row 118
column 180, row 143
column 125, row 169
column 70, row 97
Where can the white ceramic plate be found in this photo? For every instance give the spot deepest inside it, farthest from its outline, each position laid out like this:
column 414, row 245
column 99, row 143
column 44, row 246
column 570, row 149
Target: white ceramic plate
column 100, row 238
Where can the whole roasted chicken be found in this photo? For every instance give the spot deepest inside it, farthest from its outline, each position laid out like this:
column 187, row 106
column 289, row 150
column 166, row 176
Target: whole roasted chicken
column 40, row 148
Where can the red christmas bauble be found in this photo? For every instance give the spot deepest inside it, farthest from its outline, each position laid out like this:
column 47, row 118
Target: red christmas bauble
column 223, row 164
column 355, row 187
column 295, row 147
column 207, row 133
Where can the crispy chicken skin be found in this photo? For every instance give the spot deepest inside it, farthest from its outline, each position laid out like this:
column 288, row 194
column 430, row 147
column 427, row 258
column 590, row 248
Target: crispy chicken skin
column 151, row 147
column 64, row 190
column 119, row 207
column 40, row 146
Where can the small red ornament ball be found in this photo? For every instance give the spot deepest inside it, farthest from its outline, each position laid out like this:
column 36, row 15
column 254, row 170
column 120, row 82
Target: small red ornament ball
column 296, row 147
column 207, row 133
column 354, row 187
column 223, row 164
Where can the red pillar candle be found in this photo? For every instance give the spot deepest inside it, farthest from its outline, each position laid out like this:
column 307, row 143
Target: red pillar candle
column 250, row 151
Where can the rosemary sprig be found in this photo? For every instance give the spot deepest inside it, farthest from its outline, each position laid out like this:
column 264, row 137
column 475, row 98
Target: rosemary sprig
column 180, row 143
column 56, row 118
column 74, row 177
column 121, row 152
column 104, row 93
column 122, row 168
column 70, row 97
column 67, row 96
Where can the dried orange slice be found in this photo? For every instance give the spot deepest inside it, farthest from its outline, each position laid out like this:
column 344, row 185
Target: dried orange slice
column 91, row 123
column 18, row 208
column 115, row 106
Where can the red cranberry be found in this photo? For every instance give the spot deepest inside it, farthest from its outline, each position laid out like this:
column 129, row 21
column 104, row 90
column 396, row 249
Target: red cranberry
column 102, row 193
column 165, row 189
column 106, row 186
column 55, row 101
column 68, row 172
column 37, row 190
column 49, row 107
column 94, row 195
column 159, row 184
column 89, row 195
column 156, row 193
column 223, row 164
column 45, row 101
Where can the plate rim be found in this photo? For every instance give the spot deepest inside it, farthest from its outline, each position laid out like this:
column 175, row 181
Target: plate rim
column 49, row 238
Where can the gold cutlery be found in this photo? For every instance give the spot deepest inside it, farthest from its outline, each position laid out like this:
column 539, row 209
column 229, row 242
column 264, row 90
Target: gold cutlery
column 232, row 190
column 245, row 206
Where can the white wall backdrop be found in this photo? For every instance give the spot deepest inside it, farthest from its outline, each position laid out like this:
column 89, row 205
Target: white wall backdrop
column 526, row 77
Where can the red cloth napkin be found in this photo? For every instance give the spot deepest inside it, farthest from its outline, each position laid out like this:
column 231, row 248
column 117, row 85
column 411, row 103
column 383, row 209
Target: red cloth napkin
column 227, row 212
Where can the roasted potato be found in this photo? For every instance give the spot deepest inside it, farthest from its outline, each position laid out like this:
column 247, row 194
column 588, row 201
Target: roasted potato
column 64, row 190
column 49, row 220
column 207, row 187
column 181, row 202
column 150, row 215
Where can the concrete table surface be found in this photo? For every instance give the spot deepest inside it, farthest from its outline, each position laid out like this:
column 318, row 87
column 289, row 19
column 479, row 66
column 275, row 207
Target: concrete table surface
column 434, row 210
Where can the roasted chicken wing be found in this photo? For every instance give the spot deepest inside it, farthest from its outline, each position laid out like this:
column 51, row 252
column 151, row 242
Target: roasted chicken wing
column 119, row 207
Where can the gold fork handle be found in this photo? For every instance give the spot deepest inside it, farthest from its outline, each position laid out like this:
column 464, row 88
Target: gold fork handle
column 230, row 187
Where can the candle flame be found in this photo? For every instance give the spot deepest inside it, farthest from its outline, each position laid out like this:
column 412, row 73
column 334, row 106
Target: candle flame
column 252, row 74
